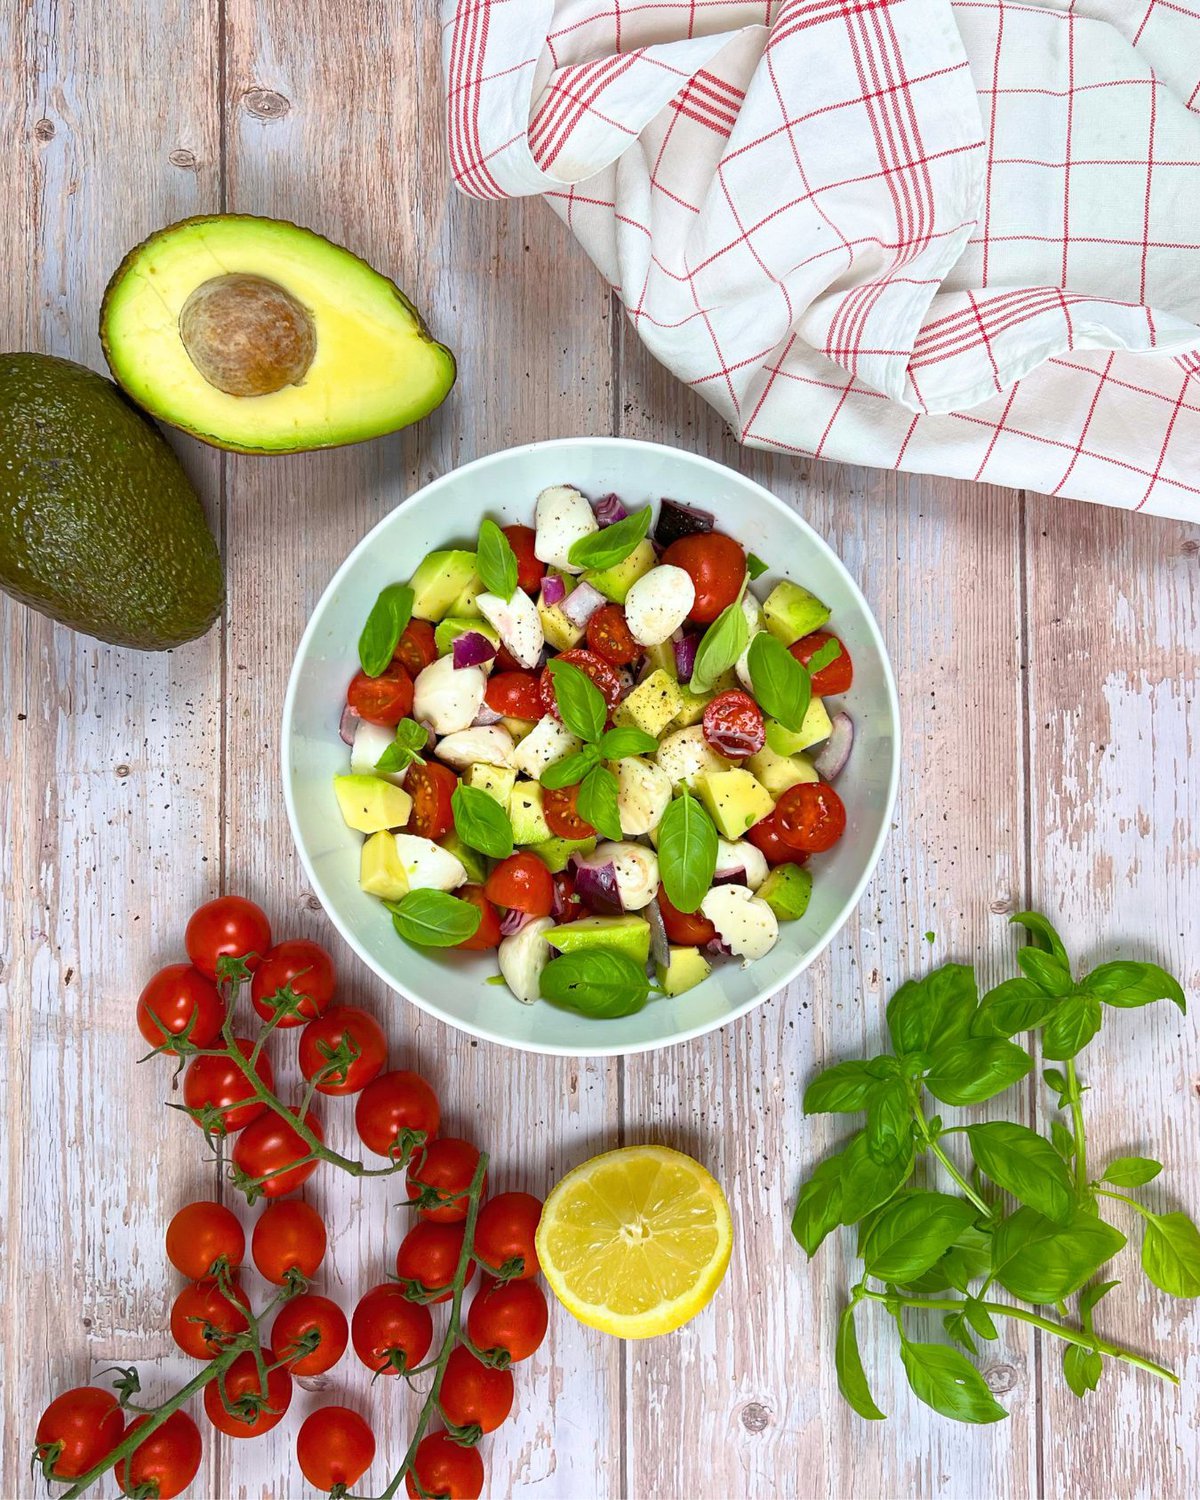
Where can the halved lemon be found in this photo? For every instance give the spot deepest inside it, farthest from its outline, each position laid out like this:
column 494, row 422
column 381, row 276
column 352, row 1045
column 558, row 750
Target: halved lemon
column 635, row 1242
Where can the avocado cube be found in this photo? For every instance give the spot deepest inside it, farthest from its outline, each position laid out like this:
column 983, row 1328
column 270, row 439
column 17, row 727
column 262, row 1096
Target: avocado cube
column 792, row 612
column 464, row 605
column 615, row 582
column 652, row 704
column 561, row 634
column 518, row 728
column 555, row 853
column 663, row 656
column 779, row 772
column 735, row 800
column 496, row 781
column 692, row 707
column 368, row 803
column 448, row 631
column 525, row 813
column 688, row 968
column 471, row 860
column 439, row 581
column 628, row 934
column 815, row 728
column 381, row 872
column 786, row 891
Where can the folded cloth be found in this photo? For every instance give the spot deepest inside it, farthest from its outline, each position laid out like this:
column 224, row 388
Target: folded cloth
column 953, row 236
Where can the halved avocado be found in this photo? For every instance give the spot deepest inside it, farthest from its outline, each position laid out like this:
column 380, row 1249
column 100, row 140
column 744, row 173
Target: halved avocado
column 261, row 337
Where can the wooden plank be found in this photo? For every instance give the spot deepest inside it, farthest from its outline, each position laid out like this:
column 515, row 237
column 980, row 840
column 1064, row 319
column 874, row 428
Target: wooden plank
column 107, row 793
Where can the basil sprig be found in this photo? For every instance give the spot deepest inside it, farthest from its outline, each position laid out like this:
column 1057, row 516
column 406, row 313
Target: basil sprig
column 687, row 852
column 584, row 711
column 410, row 739
column 625, row 740
column 581, row 704
column 481, row 822
column 434, row 919
column 597, row 802
column 612, row 544
column 570, row 769
column 782, row 685
column 825, row 655
column 614, row 744
column 721, row 644
column 755, row 566
column 598, row 982
column 495, row 561
column 386, row 623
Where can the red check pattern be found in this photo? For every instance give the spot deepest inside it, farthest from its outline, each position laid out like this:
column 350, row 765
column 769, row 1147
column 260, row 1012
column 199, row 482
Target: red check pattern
column 956, row 236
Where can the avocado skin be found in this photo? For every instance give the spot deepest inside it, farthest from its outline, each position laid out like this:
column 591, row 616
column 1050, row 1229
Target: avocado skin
column 100, row 527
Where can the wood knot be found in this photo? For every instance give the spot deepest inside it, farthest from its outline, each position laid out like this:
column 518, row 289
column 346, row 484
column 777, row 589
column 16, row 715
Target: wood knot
column 1000, row 1379
column 1189, row 548
column 44, row 130
column 755, row 1417
column 182, row 158
column 266, row 104
column 122, row 772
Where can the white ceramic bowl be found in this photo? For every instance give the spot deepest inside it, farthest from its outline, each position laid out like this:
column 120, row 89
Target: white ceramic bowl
column 448, row 512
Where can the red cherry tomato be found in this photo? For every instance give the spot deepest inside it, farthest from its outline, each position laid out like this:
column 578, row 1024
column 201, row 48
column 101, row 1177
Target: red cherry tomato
column 77, row 1429
column 248, row 1410
column 217, row 1082
column 393, row 1104
column 733, row 725
column 417, row 648
column 176, row 995
column 837, row 676
column 767, row 836
column 594, row 667
column 204, row 1306
column 385, row 699
column 229, row 927
column 301, row 966
column 431, row 787
column 167, row 1462
column 559, row 809
column 474, row 1394
column 321, row 1041
column 447, row 1166
column 516, row 694
column 299, row 1322
column 716, row 565
column 201, row 1234
column 611, row 638
column 505, row 660
column 445, row 1468
column 487, row 934
column 429, row 1255
column 690, row 929
column 271, row 1149
column 504, row 1232
column 522, row 881
column 511, row 1316
column 334, row 1447
column 288, row 1236
column 530, row 568
column 390, row 1334
column 811, row 817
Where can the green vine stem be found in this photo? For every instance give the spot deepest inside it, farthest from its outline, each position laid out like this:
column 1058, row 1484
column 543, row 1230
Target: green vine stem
column 1074, row 1099
column 932, row 1144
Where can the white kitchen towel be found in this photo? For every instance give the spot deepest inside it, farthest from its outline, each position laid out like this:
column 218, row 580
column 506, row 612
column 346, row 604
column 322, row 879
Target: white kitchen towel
column 954, row 236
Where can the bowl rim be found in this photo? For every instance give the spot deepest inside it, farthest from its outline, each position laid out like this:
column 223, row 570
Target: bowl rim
column 803, row 961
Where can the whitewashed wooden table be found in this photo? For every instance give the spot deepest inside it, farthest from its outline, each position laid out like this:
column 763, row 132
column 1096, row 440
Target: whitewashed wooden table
column 1047, row 654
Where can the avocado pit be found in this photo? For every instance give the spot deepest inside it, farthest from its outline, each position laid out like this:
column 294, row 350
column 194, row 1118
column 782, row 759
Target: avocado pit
column 247, row 335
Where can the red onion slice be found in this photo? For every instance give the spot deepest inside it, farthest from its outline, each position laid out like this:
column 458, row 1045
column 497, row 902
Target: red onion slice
column 554, row 590
column 685, row 655
column 513, row 920
column 486, row 715
column 597, row 887
column 472, row 649
column 660, row 947
column 836, row 750
column 676, row 520
column 730, row 877
column 348, row 725
column 582, row 603
column 609, row 509
column 719, row 947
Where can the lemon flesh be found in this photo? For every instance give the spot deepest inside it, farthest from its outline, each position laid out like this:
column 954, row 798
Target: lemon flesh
column 635, row 1242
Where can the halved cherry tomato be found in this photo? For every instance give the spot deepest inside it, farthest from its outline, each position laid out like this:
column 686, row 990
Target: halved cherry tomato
column 690, row 929
column 77, row 1429
column 733, row 725
column 390, row 1334
column 334, row 1447
column 431, row 787
column 385, row 699
column 811, row 817
column 569, row 904
column 517, row 695
column 202, row 1233
column 523, row 881
column 254, row 1410
column 511, row 1315
column 602, row 675
column 204, row 1306
column 767, row 836
column 393, row 1104
column 271, row 1149
column 296, row 1324
column 530, row 567
column 429, row 1254
column 487, row 934
column 227, row 927
column 322, row 1039
column 558, row 808
column 716, row 565
column 837, row 676
column 505, row 1231
column 288, row 1236
column 505, row 660
column 416, row 649
column 302, row 966
column 474, row 1394
column 447, row 1166
column 611, row 638
column 217, row 1082
column 177, row 995
column 167, row 1462
column 445, row 1468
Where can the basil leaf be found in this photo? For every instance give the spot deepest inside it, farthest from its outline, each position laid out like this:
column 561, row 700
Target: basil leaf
column 597, row 982
column 481, row 822
column 946, row 1380
column 495, row 561
column 824, row 656
column 842, row 1089
column 687, row 852
column 720, row 645
column 1040, row 1261
column 851, row 1377
column 386, row 623
column 755, row 566
column 581, row 704
column 1046, row 971
column 980, row 1319
column 1039, row 926
column 1062, row 1139
column 1072, row 1025
column 781, row 685
column 889, row 1121
column 866, row 1183
column 956, row 1326
column 1131, row 1171
column 977, row 1069
column 1171, row 1254
column 411, row 738
column 819, row 1207
column 597, row 802
column 1127, row 985
column 1026, row 1165
column 622, row 741
column 913, row 1233
column 611, row 544
column 936, row 1010
column 570, row 769
column 434, row 919
column 1016, row 1005
column 1082, row 1369
column 1089, row 1297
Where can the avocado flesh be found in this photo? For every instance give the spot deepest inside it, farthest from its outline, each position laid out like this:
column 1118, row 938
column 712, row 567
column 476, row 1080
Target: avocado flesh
column 375, row 367
column 100, row 528
column 628, row 934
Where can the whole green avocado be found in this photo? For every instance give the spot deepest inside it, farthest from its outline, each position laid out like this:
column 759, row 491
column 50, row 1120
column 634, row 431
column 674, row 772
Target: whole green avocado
column 100, row 527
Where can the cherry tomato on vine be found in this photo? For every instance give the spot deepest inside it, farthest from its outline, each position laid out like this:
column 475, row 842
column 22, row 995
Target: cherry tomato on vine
column 560, row 808
column 229, row 927
column 837, row 676
column 390, row 1333
column 516, row 694
column 385, row 699
column 767, row 836
column 300, row 965
column 201, row 1306
column 511, row 1316
column 77, row 1429
column 302, row 1318
column 505, row 1229
column 392, row 1104
column 416, row 649
column 530, row 568
column 202, row 1233
column 474, row 1394
column 360, row 1033
column 288, row 1236
column 176, row 995
column 487, row 934
column 447, row 1165
column 167, row 1462
column 334, row 1447
column 690, row 929
column 522, row 881
column 429, row 1255
column 593, row 667
column 245, row 1410
column 269, row 1145
column 445, row 1468
column 217, row 1083
column 610, row 637
column 811, row 817
column 716, row 565
column 431, row 787
column 733, row 725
